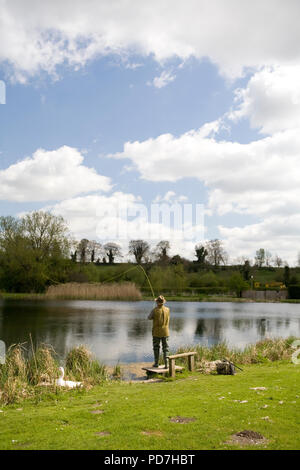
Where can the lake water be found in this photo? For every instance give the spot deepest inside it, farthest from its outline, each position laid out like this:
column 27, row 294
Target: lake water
column 120, row 331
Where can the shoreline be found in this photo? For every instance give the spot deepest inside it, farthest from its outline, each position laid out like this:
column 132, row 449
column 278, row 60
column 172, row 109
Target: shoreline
column 213, row 298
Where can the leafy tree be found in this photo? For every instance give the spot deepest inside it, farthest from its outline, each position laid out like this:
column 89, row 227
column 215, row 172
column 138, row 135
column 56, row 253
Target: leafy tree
column 201, row 254
column 84, row 250
column 237, row 284
column 162, row 251
column 209, row 280
column 139, row 249
column 176, row 259
column 46, row 233
column 286, row 275
column 246, row 269
column 34, row 252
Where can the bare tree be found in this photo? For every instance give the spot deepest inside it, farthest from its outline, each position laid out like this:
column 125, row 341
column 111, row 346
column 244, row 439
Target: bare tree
column 139, row 249
column 83, row 251
column 278, row 261
column 216, row 254
column 94, row 250
column 268, row 258
column 112, row 251
column 161, row 251
column 260, row 257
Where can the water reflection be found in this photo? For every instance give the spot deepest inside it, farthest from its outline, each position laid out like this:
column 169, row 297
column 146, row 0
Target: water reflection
column 120, row 331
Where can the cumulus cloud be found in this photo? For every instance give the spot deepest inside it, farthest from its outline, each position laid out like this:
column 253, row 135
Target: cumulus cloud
column 38, row 36
column 50, row 175
column 261, row 178
column 121, row 217
column 271, row 99
column 276, row 235
column 239, row 176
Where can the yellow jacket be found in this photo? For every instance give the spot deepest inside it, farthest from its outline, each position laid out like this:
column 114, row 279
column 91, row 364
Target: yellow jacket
column 161, row 318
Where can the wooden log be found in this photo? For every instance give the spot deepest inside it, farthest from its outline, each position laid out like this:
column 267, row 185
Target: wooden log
column 191, row 362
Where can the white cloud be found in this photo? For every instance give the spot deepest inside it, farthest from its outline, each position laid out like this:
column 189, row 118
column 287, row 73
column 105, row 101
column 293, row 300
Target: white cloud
column 38, row 36
column 275, row 235
column 164, row 79
column 234, row 173
column 261, row 178
column 50, row 175
column 271, row 99
column 121, row 217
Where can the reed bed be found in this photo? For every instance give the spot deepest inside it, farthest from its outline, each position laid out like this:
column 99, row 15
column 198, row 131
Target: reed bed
column 267, row 350
column 33, row 373
column 94, row 291
column 81, row 366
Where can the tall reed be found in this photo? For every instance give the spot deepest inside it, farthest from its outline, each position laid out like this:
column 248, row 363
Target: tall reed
column 33, row 373
column 94, row 291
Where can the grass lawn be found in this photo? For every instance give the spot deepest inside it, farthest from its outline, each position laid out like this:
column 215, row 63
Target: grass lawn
column 137, row 415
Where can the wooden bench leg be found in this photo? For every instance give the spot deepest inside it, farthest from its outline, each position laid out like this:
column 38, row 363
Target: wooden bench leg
column 172, row 367
column 191, row 362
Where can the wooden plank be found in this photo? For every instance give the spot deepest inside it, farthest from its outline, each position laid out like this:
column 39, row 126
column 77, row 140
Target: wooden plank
column 190, row 353
column 160, row 370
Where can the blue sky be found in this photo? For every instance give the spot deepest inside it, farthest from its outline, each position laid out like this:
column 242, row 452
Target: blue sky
column 137, row 89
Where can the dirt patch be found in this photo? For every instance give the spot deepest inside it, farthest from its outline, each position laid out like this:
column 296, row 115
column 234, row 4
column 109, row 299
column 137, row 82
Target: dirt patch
column 152, row 433
column 247, row 438
column 97, row 412
column 102, row 433
column 182, row 419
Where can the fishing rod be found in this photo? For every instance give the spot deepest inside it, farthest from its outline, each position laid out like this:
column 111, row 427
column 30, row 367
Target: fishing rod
column 147, row 280
column 230, row 362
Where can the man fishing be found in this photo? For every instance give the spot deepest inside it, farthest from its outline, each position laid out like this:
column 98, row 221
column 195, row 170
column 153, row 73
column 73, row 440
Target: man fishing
column 160, row 316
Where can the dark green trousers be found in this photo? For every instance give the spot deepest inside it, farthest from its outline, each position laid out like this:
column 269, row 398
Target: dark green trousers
column 156, row 348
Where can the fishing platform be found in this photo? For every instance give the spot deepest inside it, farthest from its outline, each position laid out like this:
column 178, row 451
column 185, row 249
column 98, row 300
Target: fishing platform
column 172, row 369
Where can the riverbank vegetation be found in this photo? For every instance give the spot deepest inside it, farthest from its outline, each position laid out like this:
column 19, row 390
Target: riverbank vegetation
column 38, row 255
column 197, row 411
column 31, row 372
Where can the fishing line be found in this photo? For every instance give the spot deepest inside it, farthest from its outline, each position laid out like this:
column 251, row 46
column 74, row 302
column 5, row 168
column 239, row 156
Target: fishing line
column 131, row 269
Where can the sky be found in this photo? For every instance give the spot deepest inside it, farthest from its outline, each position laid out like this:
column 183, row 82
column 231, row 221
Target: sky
column 137, row 104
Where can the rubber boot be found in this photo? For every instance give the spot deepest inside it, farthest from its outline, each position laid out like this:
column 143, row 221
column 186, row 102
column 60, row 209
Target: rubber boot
column 156, row 357
column 166, row 361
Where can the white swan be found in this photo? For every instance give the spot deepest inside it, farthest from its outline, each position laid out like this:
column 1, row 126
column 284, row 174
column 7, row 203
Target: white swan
column 66, row 383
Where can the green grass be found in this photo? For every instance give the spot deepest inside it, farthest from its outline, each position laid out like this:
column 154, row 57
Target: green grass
column 65, row 421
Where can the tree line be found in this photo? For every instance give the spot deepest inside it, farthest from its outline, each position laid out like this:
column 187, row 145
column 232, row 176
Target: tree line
column 38, row 250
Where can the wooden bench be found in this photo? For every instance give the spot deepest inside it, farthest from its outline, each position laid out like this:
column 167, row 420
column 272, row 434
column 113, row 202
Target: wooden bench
column 191, row 361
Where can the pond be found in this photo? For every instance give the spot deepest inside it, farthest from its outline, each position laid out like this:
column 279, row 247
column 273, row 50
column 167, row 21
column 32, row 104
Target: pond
column 120, row 331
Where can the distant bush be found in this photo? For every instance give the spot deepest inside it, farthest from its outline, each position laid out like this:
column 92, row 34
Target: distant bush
column 208, row 280
column 294, row 291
